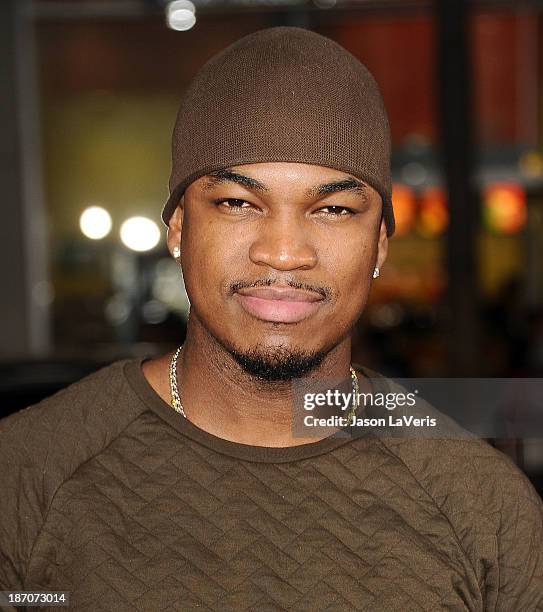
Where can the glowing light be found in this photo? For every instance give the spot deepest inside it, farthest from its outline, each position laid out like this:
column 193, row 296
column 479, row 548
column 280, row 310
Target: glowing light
column 531, row 164
column 117, row 309
column 168, row 287
column 180, row 15
column 154, row 312
column 95, row 222
column 403, row 202
column 505, row 208
column 433, row 214
column 414, row 173
column 140, row 234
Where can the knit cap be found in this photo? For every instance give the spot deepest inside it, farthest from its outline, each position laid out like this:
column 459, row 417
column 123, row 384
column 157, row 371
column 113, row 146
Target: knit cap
column 282, row 94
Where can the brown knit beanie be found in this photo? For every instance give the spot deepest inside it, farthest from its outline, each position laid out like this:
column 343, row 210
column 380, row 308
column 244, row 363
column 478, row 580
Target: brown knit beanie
column 282, row 94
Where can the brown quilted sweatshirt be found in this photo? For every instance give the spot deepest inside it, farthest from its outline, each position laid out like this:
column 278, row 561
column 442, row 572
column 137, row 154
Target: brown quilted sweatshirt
column 111, row 495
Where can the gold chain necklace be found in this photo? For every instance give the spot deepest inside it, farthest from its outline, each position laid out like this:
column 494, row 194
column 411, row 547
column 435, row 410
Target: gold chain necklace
column 175, row 399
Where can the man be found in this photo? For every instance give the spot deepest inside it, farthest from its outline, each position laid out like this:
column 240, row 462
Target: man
column 178, row 483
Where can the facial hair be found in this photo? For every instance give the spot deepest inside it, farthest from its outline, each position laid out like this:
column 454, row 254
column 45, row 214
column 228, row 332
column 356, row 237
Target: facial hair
column 277, row 363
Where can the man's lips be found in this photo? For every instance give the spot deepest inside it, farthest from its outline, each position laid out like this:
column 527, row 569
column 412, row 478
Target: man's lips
column 279, row 304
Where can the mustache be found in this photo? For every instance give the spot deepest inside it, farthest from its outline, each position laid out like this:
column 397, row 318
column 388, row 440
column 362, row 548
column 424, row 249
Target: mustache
column 323, row 290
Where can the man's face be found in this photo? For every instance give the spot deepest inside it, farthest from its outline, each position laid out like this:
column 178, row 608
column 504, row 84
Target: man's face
column 278, row 257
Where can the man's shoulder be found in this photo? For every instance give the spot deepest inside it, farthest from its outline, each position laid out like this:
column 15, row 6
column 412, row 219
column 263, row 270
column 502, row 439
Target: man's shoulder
column 492, row 509
column 446, row 467
column 72, row 424
column 491, row 506
column 470, row 482
column 42, row 447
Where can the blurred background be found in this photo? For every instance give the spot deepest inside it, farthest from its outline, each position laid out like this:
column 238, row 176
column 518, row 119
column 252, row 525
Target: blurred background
column 90, row 89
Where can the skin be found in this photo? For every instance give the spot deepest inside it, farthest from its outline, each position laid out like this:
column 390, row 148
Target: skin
column 275, row 228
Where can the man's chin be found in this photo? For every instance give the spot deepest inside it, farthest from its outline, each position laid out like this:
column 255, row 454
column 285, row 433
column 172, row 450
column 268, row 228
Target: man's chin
column 278, row 363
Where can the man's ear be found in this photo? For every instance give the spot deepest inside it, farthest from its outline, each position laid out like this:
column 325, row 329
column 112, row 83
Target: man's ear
column 175, row 226
column 382, row 244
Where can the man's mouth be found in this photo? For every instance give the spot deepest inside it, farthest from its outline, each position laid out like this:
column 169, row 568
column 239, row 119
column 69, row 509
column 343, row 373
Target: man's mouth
column 279, row 304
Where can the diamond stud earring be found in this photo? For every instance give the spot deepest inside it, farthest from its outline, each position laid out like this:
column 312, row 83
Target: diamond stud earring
column 376, row 272
column 176, row 252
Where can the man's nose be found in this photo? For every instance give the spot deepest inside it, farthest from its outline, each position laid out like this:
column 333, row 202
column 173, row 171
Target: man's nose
column 283, row 244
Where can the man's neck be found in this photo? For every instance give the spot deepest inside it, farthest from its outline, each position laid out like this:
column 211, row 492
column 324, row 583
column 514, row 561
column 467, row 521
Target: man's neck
column 221, row 398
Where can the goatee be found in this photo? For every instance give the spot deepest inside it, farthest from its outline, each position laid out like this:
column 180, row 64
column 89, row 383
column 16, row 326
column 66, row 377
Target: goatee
column 277, row 363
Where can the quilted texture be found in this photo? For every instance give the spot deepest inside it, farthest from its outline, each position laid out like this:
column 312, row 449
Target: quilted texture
column 111, row 495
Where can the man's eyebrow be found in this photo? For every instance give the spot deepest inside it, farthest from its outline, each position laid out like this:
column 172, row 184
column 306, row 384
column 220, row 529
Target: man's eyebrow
column 222, row 176
column 347, row 184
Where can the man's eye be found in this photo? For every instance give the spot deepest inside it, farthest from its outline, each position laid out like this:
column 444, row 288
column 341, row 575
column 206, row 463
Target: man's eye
column 232, row 203
column 336, row 211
